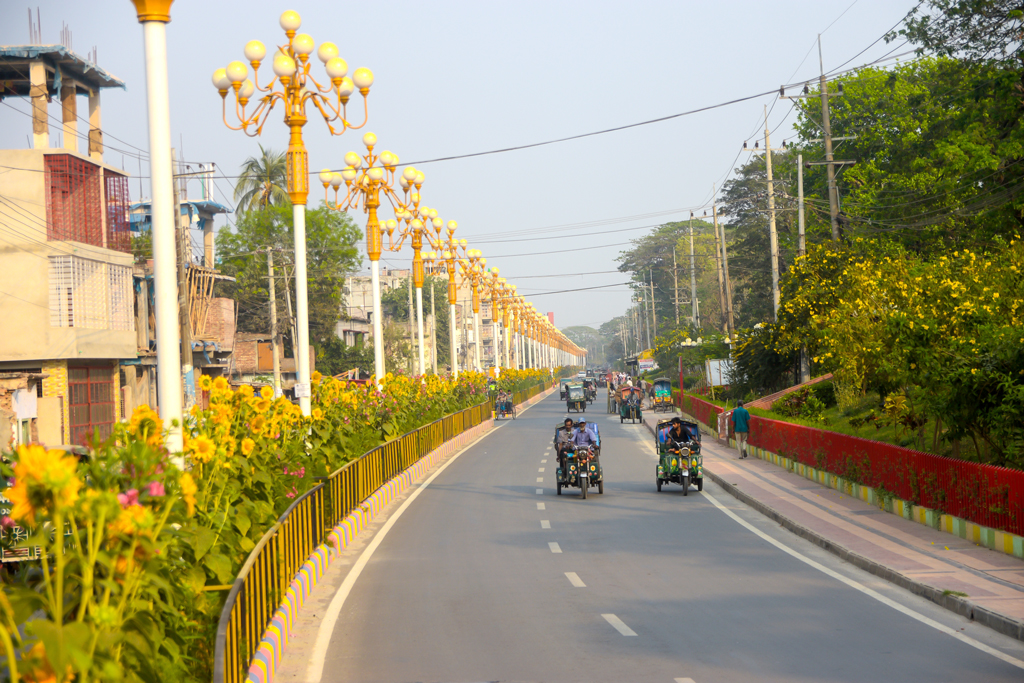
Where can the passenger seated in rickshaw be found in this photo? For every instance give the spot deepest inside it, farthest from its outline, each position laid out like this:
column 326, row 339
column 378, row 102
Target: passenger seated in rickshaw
column 564, row 441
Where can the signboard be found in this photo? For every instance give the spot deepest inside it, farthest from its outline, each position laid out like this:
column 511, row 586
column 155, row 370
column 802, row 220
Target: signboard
column 646, row 364
column 717, row 371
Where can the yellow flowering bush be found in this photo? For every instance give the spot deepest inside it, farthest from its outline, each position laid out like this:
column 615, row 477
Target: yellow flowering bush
column 104, row 602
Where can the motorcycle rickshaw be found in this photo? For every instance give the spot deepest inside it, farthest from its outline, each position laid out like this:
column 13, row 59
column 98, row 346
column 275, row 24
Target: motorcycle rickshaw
column 503, row 405
column 679, row 462
column 662, row 399
column 563, row 385
column 582, row 466
column 575, row 398
column 630, row 399
column 590, row 389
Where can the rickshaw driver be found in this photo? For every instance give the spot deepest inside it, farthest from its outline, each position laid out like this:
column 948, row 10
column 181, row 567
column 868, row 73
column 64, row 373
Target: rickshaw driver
column 582, row 437
column 564, row 439
column 677, row 432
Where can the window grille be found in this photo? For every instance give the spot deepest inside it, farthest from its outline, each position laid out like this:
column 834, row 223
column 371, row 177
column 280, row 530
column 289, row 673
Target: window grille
column 90, row 294
column 90, row 402
column 118, row 206
column 73, row 200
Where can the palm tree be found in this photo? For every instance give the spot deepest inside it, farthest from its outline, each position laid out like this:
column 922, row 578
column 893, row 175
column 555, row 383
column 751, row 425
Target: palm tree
column 262, row 182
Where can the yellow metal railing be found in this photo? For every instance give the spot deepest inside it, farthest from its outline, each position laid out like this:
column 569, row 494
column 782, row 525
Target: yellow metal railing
column 259, row 589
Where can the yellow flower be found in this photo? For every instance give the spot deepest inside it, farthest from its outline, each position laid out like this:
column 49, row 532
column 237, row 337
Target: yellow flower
column 220, row 384
column 246, row 391
column 247, row 446
column 318, row 414
column 188, row 492
column 44, row 480
column 205, row 383
column 132, row 519
column 262, row 405
column 203, row 448
column 258, row 424
column 266, row 392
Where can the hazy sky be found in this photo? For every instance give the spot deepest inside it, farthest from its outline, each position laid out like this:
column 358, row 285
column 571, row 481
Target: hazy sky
column 456, row 78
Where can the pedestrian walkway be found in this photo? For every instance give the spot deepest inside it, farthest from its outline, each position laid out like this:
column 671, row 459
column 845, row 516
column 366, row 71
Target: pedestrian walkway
column 972, row 580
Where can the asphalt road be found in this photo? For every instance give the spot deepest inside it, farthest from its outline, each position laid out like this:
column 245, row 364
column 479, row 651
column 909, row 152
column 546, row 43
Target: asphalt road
column 485, row 579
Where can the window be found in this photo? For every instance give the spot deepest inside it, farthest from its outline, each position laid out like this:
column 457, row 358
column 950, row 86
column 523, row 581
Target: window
column 90, row 294
column 90, row 402
column 73, row 200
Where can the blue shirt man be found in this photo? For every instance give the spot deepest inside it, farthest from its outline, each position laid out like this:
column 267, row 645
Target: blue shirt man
column 741, row 426
column 582, row 436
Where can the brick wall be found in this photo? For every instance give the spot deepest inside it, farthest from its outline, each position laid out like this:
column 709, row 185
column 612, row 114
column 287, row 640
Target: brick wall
column 57, row 385
column 220, row 323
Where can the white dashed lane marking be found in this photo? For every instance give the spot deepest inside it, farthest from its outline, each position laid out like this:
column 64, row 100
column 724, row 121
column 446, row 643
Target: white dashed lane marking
column 540, row 480
column 575, row 580
column 556, row 549
column 618, row 625
column 540, row 506
column 545, row 524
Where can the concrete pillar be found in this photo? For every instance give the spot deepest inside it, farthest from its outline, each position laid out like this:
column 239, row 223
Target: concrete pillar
column 39, row 95
column 95, row 130
column 69, row 115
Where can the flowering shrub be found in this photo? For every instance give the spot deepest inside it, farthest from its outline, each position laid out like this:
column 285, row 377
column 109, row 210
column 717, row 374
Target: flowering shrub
column 134, row 587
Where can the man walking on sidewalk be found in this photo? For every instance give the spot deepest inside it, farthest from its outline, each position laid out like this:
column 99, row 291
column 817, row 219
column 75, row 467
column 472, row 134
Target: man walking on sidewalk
column 741, row 425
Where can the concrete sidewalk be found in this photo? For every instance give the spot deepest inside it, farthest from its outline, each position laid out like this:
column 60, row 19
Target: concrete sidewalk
column 978, row 583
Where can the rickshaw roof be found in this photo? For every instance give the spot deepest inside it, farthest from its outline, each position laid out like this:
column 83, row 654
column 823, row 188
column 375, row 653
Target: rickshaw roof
column 691, row 427
column 630, row 390
column 662, row 379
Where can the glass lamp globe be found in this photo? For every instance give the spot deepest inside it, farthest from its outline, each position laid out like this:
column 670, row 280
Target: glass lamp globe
column 255, row 51
column 291, row 21
column 326, row 52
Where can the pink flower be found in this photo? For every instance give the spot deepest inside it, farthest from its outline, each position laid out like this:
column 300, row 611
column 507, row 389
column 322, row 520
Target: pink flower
column 157, row 489
column 128, row 499
column 6, row 522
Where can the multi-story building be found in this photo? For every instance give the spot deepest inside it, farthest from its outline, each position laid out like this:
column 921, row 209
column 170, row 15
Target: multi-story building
column 66, row 294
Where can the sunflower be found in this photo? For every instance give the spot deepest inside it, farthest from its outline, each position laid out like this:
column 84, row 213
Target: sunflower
column 267, row 393
column 258, row 424
column 203, row 448
column 246, row 391
column 318, row 414
column 262, row 405
column 247, row 446
column 44, row 481
column 188, row 492
column 205, row 382
column 220, row 384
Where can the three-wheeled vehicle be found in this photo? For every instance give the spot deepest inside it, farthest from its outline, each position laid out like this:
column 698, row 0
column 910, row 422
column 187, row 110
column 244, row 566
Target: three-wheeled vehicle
column 662, row 399
column 630, row 399
column 679, row 461
column 576, row 398
column 503, row 405
column 581, row 468
column 562, row 386
column 590, row 389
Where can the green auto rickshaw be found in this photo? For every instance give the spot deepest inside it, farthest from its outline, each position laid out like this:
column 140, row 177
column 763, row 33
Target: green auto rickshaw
column 679, row 460
column 630, row 399
column 662, row 400
column 575, row 398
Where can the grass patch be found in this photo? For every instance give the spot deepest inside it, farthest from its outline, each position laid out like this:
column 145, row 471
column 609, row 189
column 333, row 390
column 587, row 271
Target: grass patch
column 956, row 593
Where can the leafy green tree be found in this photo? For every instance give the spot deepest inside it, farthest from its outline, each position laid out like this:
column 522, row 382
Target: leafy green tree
column 975, row 30
column 395, row 305
column 262, row 182
column 331, row 252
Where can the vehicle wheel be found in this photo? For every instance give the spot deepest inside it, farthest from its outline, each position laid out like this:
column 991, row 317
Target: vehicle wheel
column 659, row 486
column 686, row 485
column 700, row 484
column 559, row 485
column 584, row 485
column 600, row 487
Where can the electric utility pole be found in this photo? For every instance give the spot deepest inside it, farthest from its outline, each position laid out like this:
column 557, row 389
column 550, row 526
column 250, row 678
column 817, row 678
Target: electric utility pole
column 826, row 124
column 274, row 348
column 675, row 278
column 184, row 318
column 718, row 268
column 694, row 310
column 412, row 334
column 772, row 234
column 654, row 317
column 725, row 266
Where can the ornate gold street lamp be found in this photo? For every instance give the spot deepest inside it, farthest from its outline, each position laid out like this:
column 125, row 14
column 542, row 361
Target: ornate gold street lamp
column 294, row 87
column 366, row 178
